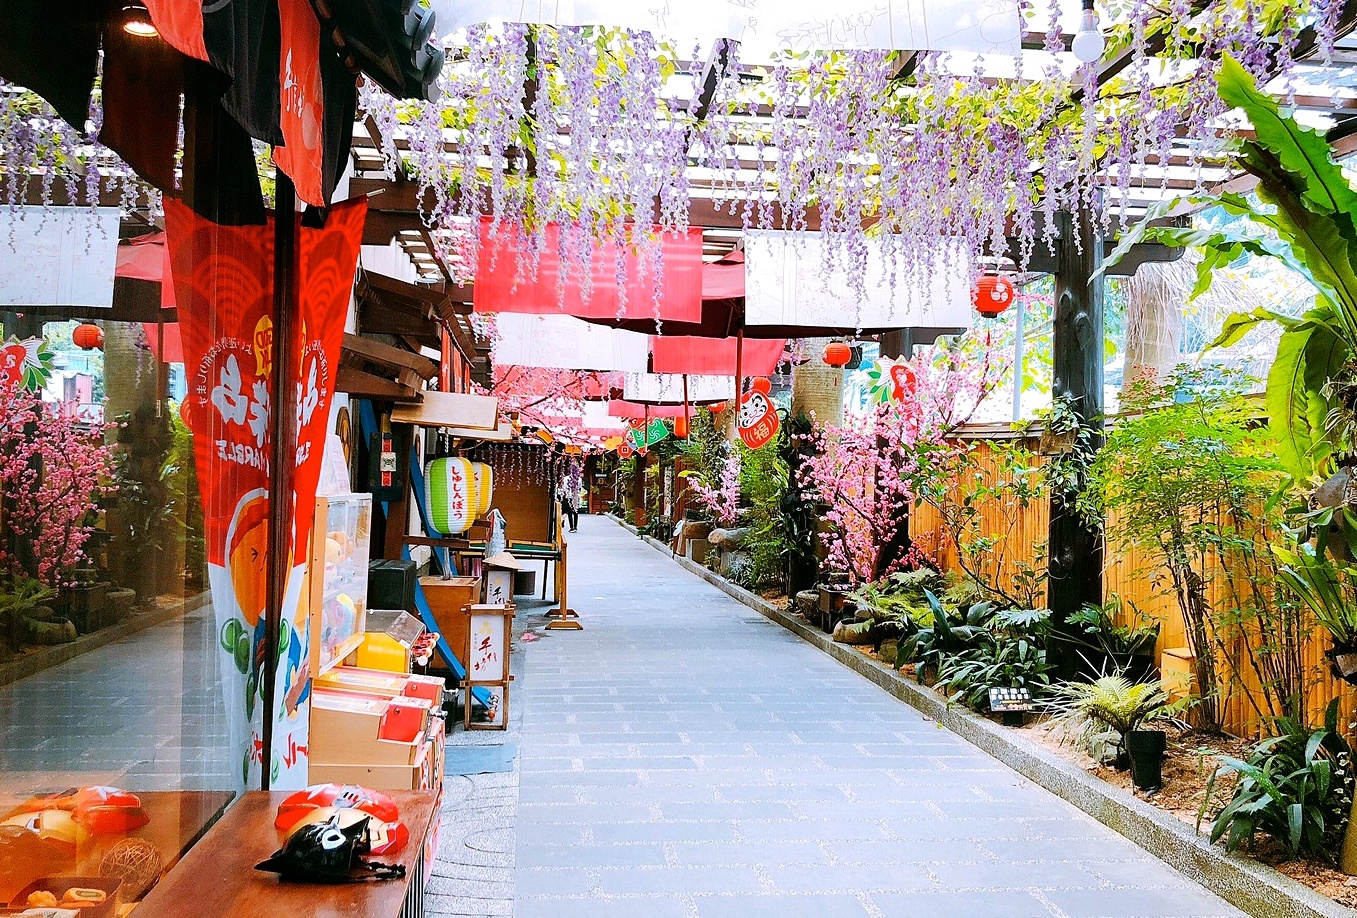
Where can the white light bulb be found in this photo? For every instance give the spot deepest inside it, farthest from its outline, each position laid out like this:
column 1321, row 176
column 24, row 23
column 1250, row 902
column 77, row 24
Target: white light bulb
column 1088, row 42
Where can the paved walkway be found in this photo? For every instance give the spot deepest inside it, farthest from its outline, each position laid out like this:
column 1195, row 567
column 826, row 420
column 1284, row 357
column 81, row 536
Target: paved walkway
column 685, row 757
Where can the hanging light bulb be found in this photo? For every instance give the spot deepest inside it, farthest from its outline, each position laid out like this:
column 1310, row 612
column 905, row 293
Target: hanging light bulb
column 1088, row 42
column 137, row 20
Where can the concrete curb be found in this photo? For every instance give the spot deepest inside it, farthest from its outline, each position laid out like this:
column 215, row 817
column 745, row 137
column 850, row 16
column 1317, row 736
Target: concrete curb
column 31, row 664
column 1248, row 885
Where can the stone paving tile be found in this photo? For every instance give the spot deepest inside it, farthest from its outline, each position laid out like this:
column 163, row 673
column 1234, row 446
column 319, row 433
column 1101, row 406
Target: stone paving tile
column 683, row 756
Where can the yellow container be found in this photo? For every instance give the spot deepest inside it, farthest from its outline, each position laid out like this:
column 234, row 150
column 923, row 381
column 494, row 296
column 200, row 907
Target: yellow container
column 381, row 651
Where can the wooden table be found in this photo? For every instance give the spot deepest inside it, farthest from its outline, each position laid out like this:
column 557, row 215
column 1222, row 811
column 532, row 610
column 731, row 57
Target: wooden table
column 177, row 820
column 217, row 879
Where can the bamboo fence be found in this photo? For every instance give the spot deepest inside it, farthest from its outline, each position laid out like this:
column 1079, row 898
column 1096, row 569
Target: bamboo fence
column 1145, row 589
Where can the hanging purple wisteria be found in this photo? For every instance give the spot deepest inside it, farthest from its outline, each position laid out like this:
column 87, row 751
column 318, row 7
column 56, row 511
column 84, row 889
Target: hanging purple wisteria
column 596, row 130
column 43, row 160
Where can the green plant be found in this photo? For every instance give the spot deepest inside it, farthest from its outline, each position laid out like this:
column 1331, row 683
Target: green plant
column 1110, row 703
column 764, row 484
column 1095, row 627
column 1295, row 787
column 949, row 634
column 1327, row 589
column 799, row 519
column 1010, row 662
column 900, row 595
column 981, row 497
column 1307, row 211
column 1190, row 478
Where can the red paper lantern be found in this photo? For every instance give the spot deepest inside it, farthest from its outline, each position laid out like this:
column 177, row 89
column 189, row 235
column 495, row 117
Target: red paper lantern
column 993, row 294
column 837, row 354
column 681, row 426
column 88, row 337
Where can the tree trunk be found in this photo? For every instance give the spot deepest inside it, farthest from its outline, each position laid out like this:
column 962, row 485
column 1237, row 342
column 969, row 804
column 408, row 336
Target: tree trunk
column 1153, row 324
column 817, row 388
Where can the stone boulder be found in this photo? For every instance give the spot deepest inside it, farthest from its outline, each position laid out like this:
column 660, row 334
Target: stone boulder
column 728, row 539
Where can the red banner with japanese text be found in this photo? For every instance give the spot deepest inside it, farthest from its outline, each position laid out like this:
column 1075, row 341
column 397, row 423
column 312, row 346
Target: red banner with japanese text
column 223, row 279
column 302, row 115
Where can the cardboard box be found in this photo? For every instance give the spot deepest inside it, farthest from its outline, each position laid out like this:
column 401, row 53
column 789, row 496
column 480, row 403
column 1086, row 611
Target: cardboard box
column 348, row 728
column 378, row 777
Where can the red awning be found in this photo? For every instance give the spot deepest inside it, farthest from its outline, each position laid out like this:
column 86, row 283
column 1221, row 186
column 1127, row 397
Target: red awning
column 503, row 282
column 142, row 258
column 622, row 409
column 724, row 279
column 714, row 356
column 174, row 342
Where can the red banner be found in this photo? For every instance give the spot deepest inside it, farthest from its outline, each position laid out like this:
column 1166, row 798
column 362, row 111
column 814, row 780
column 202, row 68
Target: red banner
column 180, row 23
column 303, row 116
column 714, row 356
column 223, row 277
column 505, row 280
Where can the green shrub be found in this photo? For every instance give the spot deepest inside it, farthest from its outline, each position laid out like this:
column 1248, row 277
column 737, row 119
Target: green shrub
column 1295, row 787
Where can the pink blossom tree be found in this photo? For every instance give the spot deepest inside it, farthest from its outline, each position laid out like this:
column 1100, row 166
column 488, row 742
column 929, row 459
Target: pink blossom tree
column 865, row 471
column 52, row 466
column 720, row 499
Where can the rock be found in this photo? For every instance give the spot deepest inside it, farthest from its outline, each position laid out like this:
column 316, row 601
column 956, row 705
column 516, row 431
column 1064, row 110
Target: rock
column 728, row 539
column 697, row 529
column 120, row 602
column 808, row 603
column 49, row 633
column 847, row 632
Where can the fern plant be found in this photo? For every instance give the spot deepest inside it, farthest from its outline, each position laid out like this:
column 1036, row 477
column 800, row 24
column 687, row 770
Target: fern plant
column 1108, row 704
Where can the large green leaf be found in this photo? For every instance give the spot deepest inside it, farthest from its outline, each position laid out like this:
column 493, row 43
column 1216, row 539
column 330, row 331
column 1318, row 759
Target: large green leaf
column 1239, row 324
column 1288, row 402
column 1302, row 152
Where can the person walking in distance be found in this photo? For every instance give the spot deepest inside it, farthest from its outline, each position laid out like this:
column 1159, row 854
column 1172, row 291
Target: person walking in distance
column 569, row 493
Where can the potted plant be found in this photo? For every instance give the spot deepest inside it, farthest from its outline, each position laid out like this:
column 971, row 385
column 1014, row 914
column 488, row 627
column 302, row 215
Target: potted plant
column 1114, row 704
column 1106, row 648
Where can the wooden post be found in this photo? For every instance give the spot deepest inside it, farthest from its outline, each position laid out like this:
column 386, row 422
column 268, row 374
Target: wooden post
column 282, row 456
column 564, row 618
column 895, row 344
column 1075, row 548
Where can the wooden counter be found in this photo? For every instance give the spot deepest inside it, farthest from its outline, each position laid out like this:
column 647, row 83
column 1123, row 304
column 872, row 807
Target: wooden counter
column 217, row 879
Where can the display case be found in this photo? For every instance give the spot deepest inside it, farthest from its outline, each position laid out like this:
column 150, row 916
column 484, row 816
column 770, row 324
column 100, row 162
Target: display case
column 339, row 578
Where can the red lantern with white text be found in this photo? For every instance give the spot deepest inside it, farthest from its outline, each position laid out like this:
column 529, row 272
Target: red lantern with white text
column 88, row 337
column 993, row 294
column 837, row 354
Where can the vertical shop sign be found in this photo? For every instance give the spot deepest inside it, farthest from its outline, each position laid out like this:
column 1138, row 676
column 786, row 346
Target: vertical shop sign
column 302, row 117
column 223, row 278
